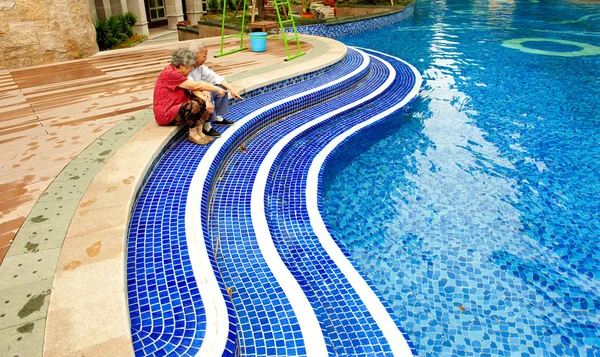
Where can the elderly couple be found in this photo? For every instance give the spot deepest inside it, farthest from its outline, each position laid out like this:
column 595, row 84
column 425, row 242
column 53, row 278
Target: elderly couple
column 188, row 92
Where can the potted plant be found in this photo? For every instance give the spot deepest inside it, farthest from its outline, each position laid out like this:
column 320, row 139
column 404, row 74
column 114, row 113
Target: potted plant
column 306, row 9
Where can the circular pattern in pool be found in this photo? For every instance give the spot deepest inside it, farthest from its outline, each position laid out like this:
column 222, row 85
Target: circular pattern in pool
column 550, row 47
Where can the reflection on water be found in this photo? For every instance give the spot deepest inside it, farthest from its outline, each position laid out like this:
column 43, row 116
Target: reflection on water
column 482, row 210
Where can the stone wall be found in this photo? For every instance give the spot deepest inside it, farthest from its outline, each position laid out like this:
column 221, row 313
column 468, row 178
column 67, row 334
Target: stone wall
column 346, row 11
column 43, row 31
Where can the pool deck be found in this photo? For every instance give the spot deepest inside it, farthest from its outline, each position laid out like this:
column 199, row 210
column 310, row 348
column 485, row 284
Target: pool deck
column 78, row 138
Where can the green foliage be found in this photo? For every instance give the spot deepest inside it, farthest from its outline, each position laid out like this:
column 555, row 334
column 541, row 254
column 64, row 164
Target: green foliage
column 114, row 30
column 132, row 41
column 213, row 5
column 306, row 6
column 130, row 18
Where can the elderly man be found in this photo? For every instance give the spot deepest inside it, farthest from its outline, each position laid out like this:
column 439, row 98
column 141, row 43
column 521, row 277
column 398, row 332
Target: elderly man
column 216, row 105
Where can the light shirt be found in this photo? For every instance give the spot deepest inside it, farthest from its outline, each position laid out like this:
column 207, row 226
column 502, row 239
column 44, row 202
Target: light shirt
column 205, row 74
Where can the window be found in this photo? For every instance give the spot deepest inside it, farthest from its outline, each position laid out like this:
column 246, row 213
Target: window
column 157, row 10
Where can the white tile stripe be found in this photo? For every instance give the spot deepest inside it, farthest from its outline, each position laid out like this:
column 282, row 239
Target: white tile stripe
column 302, row 308
column 391, row 332
column 217, row 321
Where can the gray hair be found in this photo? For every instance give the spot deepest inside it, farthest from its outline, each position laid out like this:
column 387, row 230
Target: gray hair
column 196, row 46
column 183, row 56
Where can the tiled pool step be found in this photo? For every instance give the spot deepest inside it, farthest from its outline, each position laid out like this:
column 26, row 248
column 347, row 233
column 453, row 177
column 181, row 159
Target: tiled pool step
column 269, row 317
column 315, row 259
column 170, row 311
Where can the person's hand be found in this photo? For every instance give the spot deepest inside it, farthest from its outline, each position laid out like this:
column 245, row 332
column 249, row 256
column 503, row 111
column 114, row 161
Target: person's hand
column 221, row 92
column 210, row 107
column 234, row 94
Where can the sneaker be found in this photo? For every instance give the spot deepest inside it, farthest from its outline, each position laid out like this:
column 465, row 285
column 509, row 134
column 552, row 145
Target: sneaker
column 223, row 122
column 212, row 133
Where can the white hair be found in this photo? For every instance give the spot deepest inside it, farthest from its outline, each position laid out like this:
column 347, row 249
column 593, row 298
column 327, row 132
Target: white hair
column 196, row 46
column 183, row 56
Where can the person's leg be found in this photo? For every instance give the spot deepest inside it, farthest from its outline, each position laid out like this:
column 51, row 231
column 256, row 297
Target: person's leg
column 207, row 129
column 221, row 108
column 190, row 113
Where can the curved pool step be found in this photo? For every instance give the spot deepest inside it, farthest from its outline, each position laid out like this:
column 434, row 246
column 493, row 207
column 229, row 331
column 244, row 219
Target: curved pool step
column 177, row 303
column 268, row 300
column 301, row 236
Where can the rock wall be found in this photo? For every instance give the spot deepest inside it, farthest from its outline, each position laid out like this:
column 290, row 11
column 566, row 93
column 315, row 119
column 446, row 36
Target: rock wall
column 346, row 11
column 44, row 31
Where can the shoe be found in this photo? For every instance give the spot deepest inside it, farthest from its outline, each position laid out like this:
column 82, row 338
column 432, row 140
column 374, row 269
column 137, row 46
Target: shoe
column 223, row 122
column 201, row 134
column 212, row 133
column 202, row 140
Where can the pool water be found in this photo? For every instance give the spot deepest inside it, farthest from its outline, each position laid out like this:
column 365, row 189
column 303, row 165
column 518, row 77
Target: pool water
column 476, row 214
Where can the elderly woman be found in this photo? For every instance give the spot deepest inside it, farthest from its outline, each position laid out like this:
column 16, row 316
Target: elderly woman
column 173, row 103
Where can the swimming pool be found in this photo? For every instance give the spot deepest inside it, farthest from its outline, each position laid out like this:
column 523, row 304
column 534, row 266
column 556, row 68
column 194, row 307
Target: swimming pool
column 477, row 215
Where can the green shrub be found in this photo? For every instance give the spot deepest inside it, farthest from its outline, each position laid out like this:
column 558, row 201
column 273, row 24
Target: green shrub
column 233, row 4
column 213, row 5
column 114, row 30
column 130, row 18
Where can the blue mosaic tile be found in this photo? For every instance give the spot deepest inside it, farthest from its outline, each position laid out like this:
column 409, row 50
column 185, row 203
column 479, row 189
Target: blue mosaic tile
column 166, row 310
column 293, row 234
column 231, row 204
column 481, row 208
column 354, row 27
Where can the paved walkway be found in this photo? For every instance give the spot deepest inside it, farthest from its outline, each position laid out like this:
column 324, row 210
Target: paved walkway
column 50, row 113
column 65, row 206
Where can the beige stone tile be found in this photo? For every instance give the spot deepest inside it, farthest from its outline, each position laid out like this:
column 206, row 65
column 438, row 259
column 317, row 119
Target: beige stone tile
column 24, row 303
column 23, row 340
column 105, row 197
column 91, row 221
column 39, row 237
column 77, row 316
column 26, row 268
column 51, row 212
column 91, row 248
column 114, row 347
column 59, row 191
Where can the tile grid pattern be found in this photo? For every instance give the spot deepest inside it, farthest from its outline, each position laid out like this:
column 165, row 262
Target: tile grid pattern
column 263, row 330
column 354, row 27
column 288, row 213
column 350, row 63
column 161, row 300
column 339, row 308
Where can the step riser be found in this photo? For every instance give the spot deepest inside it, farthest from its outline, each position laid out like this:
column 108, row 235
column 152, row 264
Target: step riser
column 213, row 161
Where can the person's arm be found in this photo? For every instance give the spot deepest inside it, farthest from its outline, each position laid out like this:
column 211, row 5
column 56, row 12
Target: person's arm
column 200, row 86
column 231, row 90
column 205, row 96
column 212, row 77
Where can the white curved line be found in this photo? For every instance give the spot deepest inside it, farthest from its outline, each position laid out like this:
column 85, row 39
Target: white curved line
column 391, row 332
column 217, row 321
column 311, row 329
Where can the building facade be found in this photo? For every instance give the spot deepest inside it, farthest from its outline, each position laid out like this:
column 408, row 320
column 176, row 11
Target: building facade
column 150, row 13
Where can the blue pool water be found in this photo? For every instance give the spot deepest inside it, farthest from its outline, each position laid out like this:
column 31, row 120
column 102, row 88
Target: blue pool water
column 477, row 214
